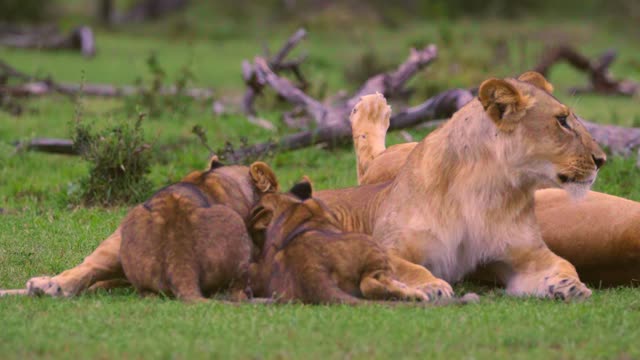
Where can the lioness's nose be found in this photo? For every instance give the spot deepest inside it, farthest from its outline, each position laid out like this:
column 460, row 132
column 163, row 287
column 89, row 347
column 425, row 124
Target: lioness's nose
column 599, row 160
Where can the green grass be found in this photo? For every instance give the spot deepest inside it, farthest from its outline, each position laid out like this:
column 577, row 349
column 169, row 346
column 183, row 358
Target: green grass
column 40, row 233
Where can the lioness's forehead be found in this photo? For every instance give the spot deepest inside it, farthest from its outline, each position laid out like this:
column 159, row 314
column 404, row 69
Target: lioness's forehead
column 540, row 96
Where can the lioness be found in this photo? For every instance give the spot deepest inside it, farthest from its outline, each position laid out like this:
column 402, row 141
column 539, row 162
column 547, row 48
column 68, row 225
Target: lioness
column 464, row 197
column 188, row 239
column 307, row 257
column 599, row 235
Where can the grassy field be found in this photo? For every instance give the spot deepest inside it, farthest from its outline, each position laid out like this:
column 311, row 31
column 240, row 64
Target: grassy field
column 41, row 233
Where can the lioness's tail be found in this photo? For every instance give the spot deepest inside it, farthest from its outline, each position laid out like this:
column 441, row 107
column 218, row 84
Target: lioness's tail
column 369, row 124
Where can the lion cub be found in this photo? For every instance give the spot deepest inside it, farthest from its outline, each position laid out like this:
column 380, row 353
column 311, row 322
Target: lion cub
column 189, row 239
column 307, row 257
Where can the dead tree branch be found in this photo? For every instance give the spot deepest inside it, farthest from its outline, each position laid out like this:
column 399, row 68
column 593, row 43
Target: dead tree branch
column 389, row 84
column 601, row 80
column 440, row 106
column 255, row 80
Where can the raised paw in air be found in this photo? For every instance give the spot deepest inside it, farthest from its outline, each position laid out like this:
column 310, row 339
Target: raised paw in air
column 44, row 285
column 566, row 288
column 372, row 109
column 437, row 290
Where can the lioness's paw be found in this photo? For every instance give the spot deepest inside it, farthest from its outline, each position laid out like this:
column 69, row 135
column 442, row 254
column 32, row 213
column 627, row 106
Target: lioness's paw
column 408, row 293
column 44, row 285
column 372, row 109
column 566, row 288
column 436, row 290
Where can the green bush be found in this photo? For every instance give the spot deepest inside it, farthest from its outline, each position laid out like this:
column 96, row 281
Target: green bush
column 120, row 162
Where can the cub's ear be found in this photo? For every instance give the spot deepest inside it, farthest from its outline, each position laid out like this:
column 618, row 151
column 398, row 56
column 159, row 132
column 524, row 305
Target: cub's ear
column 536, row 79
column 302, row 190
column 263, row 177
column 214, row 162
column 504, row 104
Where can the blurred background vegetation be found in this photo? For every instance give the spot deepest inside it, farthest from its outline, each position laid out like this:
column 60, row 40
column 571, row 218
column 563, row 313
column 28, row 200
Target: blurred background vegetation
column 198, row 43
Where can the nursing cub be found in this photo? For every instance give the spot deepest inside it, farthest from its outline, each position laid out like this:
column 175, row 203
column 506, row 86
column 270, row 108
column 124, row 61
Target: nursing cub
column 189, row 239
column 307, row 257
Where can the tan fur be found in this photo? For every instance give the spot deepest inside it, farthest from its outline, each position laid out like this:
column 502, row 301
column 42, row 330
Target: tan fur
column 307, row 257
column 367, row 137
column 464, row 196
column 189, row 240
column 177, row 218
column 599, row 235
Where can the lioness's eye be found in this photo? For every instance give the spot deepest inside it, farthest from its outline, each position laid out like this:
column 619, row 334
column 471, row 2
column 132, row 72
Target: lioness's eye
column 562, row 119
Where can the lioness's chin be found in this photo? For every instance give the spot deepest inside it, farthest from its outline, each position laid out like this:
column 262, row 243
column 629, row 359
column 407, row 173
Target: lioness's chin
column 578, row 189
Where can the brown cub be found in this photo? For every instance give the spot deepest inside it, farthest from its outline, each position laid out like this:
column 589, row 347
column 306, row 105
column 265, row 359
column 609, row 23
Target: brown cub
column 307, row 257
column 189, row 240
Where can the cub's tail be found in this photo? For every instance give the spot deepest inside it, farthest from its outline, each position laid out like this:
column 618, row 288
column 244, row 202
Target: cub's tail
column 369, row 124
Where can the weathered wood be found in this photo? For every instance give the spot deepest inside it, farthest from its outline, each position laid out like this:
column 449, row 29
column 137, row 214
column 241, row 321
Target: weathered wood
column 618, row 140
column 292, row 42
column 32, row 86
column 254, row 79
column 442, row 105
column 601, row 80
column 80, row 38
column 49, row 145
column 389, row 84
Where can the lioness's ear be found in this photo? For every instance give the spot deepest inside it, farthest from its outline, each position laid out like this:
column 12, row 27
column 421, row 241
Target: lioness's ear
column 536, row 79
column 504, row 104
column 302, row 190
column 214, row 162
column 263, row 177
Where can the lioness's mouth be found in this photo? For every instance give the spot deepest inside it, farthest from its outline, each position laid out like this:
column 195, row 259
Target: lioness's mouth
column 564, row 179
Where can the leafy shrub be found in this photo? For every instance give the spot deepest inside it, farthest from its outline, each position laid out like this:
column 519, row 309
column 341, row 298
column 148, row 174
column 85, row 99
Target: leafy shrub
column 120, row 161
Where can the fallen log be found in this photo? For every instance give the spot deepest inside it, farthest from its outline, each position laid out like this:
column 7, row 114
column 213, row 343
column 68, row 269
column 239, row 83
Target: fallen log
column 80, row 39
column 618, row 140
column 48, row 145
column 601, row 80
column 33, row 86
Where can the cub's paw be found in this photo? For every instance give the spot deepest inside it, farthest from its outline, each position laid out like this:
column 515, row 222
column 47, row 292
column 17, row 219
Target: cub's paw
column 436, row 290
column 566, row 288
column 44, row 285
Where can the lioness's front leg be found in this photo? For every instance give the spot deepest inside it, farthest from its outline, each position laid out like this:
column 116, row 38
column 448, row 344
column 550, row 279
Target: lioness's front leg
column 538, row 271
column 380, row 286
column 102, row 264
column 417, row 276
